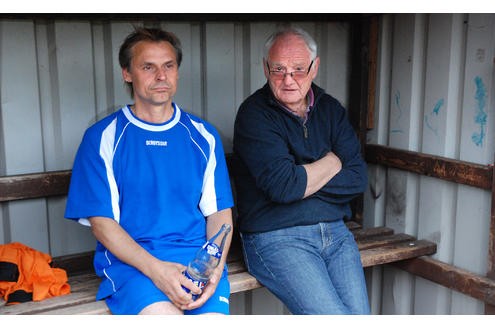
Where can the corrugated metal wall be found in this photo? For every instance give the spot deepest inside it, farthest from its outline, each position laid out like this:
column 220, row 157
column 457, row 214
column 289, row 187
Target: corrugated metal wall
column 59, row 76
column 435, row 94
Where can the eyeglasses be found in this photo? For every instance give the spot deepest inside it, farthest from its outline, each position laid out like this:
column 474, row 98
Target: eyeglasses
column 280, row 72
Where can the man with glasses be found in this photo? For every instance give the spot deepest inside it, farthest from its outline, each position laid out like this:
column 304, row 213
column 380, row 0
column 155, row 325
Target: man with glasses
column 152, row 182
column 299, row 166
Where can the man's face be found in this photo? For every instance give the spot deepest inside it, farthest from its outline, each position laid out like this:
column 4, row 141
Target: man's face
column 153, row 73
column 288, row 54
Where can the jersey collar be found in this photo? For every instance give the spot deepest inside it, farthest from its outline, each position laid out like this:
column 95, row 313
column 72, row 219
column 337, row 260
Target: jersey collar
column 151, row 126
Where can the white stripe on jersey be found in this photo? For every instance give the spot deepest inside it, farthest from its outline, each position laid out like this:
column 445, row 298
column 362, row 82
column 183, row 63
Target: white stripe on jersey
column 208, row 202
column 107, row 151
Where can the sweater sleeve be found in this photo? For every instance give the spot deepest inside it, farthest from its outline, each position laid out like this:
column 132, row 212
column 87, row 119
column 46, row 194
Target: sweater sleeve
column 352, row 179
column 259, row 142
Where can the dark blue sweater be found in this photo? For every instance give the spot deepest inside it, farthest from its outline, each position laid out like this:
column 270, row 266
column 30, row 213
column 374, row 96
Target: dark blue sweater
column 271, row 145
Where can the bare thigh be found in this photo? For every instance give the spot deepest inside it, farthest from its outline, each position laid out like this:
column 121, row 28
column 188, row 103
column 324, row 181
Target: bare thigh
column 161, row 308
column 166, row 308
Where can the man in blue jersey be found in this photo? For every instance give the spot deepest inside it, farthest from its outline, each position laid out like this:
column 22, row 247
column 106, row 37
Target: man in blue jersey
column 300, row 166
column 151, row 181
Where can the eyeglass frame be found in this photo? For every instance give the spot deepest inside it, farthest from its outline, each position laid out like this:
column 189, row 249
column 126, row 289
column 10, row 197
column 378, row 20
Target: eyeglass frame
column 289, row 73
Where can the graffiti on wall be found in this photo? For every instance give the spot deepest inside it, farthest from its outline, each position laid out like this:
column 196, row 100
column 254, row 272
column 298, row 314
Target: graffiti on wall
column 480, row 116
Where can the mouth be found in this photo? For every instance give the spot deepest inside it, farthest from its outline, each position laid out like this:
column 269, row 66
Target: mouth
column 160, row 88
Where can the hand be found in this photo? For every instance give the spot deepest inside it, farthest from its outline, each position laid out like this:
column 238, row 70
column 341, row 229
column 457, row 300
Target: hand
column 208, row 291
column 169, row 278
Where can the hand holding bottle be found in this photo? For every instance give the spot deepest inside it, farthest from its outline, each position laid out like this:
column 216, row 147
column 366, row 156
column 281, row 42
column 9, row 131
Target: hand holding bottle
column 201, row 268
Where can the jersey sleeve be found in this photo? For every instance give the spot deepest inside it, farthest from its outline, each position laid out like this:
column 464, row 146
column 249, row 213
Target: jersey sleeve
column 89, row 190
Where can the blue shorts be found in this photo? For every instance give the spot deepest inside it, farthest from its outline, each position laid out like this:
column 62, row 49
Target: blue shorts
column 137, row 293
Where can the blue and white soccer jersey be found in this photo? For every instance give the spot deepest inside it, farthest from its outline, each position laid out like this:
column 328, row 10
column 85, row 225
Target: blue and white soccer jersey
column 158, row 181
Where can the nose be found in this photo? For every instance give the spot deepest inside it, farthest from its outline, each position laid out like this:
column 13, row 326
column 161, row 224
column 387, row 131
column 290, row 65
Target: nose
column 286, row 75
column 161, row 74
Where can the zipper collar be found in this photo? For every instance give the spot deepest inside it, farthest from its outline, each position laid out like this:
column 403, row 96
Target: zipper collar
column 313, row 95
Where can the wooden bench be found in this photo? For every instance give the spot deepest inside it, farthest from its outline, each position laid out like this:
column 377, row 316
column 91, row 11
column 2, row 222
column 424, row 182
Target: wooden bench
column 456, row 171
column 378, row 245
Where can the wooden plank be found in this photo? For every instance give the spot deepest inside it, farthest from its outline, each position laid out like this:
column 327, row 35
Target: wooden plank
column 372, row 63
column 463, row 281
column 243, row 281
column 236, row 267
column 36, row 185
column 359, row 88
column 83, row 291
column 91, row 308
column 374, row 231
column 75, row 263
column 353, row 225
column 195, row 17
column 383, row 240
column 82, row 296
column 448, row 169
column 87, row 281
column 395, row 252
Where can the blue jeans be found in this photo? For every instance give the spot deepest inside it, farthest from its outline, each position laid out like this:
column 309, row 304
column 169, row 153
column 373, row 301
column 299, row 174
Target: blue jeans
column 312, row 269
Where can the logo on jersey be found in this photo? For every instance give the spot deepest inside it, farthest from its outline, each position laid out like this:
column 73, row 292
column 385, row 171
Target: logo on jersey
column 156, row 143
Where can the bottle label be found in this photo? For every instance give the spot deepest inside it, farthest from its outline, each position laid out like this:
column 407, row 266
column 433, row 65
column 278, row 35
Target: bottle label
column 200, row 284
column 213, row 250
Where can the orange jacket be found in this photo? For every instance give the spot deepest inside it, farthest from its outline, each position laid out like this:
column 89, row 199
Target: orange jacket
column 26, row 275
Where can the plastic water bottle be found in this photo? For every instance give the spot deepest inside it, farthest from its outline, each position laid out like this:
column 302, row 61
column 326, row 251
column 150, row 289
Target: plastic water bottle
column 207, row 259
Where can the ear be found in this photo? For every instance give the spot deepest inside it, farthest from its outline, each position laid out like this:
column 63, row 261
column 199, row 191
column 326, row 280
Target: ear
column 314, row 69
column 126, row 75
column 265, row 69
